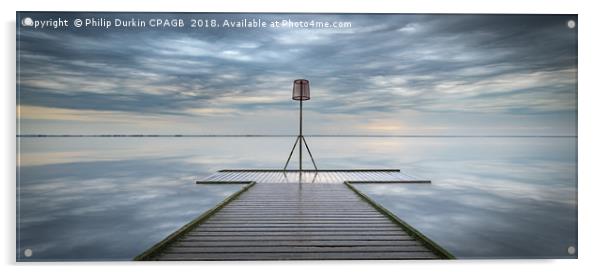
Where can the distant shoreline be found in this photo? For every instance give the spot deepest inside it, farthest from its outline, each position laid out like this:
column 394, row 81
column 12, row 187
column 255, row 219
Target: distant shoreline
column 283, row 135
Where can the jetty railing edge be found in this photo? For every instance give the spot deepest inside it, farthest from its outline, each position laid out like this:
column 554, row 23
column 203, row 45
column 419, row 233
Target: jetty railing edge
column 158, row 247
column 405, row 226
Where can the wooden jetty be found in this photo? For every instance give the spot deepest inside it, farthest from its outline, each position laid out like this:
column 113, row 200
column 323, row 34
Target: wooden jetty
column 296, row 215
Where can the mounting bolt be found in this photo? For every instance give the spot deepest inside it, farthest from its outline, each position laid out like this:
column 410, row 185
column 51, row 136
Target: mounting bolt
column 571, row 250
column 28, row 252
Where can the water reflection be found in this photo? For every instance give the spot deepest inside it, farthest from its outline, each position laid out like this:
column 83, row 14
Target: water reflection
column 107, row 210
column 111, row 198
column 516, row 204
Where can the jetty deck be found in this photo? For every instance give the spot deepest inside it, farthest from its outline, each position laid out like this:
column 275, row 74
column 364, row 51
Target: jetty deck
column 298, row 216
column 324, row 176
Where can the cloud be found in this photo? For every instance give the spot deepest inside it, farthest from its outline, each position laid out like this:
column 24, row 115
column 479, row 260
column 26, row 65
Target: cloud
column 383, row 65
column 63, row 114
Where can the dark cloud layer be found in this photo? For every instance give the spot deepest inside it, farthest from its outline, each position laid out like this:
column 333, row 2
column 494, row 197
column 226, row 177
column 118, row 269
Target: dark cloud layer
column 506, row 64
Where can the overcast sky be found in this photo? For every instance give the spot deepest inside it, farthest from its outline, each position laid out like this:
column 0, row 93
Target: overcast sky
column 386, row 74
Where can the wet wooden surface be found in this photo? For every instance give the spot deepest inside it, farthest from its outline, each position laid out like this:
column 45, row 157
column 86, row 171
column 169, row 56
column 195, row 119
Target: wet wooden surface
column 296, row 222
column 310, row 176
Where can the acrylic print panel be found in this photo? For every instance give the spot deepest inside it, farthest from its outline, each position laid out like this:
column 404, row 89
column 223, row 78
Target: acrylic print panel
column 174, row 136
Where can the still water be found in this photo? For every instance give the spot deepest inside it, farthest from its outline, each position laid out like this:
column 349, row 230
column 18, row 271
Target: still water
column 112, row 198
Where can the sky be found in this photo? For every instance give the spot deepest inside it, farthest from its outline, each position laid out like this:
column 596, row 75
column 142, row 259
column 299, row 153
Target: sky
column 396, row 74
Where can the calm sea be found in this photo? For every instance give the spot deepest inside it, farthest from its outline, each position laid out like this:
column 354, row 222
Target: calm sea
column 112, row 198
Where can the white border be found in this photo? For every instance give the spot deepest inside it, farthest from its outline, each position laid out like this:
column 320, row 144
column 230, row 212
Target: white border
column 589, row 134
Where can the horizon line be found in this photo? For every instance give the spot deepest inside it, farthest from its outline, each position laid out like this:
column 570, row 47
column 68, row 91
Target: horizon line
column 295, row 135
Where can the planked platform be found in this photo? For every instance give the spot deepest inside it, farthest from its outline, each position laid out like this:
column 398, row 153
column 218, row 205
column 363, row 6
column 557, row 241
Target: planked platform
column 311, row 176
column 304, row 221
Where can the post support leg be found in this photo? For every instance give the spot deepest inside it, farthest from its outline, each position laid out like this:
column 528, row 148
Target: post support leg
column 291, row 154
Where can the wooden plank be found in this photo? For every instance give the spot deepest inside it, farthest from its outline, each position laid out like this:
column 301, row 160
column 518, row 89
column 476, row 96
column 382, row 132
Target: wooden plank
column 320, row 208
column 294, row 233
column 319, row 170
column 297, row 222
column 326, row 226
column 292, row 219
column 307, row 207
column 300, row 249
column 339, row 202
column 296, row 243
column 318, row 204
column 249, row 237
column 348, row 220
column 299, row 218
column 300, row 256
column 298, row 214
column 356, row 209
column 296, row 237
column 300, row 211
column 285, row 229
